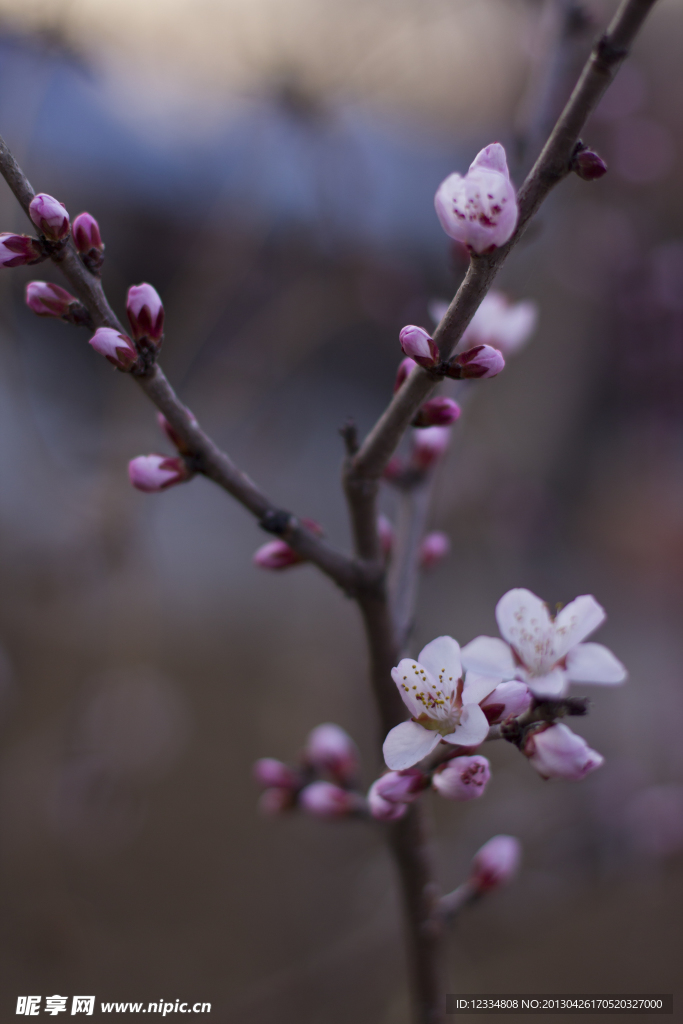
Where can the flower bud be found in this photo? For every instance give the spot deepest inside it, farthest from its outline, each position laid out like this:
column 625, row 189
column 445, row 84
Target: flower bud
column 558, row 753
column 433, row 549
column 170, row 433
column 508, row 699
column 384, row 810
column 405, row 368
column 325, row 800
column 496, row 863
column 385, row 530
column 275, row 800
column 479, row 361
column 86, row 234
column 276, row 554
column 588, row 165
column 49, row 216
column 437, row 412
column 480, row 209
column 146, row 313
column 330, row 749
column 429, row 445
column 462, row 778
column 19, row 250
column 151, row 473
column 269, row 772
column 116, row 347
column 418, row 345
column 48, row 299
column 401, row 787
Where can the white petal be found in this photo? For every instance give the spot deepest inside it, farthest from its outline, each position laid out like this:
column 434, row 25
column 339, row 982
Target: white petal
column 553, row 684
column 407, row 744
column 473, row 728
column 576, row 621
column 412, row 677
column 593, row 663
column 441, row 658
column 489, row 655
column 477, row 687
column 525, row 622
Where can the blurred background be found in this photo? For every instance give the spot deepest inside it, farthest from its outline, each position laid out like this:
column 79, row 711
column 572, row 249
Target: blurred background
column 270, row 167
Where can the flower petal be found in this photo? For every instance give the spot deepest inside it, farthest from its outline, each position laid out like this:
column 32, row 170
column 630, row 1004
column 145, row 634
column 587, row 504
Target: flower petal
column 576, row 621
column 525, row 622
column 441, row 658
column 593, row 663
column 552, row 684
column 407, row 744
column 473, row 728
column 489, row 655
column 477, row 687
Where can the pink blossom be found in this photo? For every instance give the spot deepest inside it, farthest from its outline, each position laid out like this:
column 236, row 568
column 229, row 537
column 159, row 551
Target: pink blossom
column 406, row 367
column 498, row 322
column 437, row 412
column 116, row 347
column 18, row 250
column 433, row 549
column 462, row 778
column 330, row 749
column 508, row 699
column 49, row 216
column 558, row 753
column 86, row 234
column 479, row 210
column 496, row 863
column 325, row 800
column 401, row 787
column 276, row 554
column 429, row 445
column 384, row 810
column 48, row 299
column 270, row 772
column 386, row 533
column 418, row 345
column 145, row 312
column 153, row 473
column 476, row 362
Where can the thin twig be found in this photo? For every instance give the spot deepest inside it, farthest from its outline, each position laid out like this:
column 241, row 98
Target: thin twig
column 404, row 570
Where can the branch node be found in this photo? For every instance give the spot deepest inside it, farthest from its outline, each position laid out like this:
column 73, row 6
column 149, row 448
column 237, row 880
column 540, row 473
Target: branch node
column 276, row 521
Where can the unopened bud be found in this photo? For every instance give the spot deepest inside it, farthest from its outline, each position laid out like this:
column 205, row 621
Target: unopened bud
column 19, row 250
column 49, row 216
column 558, row 753
column 325, row 800
column 114, row 346
column 48, row 299
column 417, row 344
column 146, row 313
column 88, row 241
column 270, row 772
column 384, row 810
column 153, row 473
column 276, row 554
column 588, row 165
column 433, row 549
column 405, row 368
column 429, row 445
column 462, row 778
column 507, row 700
column 401, row 787
column 496, row 863
column 275, row 800
column 479, row 361
column 437, row 412
column 330, row 749
column 386, row 534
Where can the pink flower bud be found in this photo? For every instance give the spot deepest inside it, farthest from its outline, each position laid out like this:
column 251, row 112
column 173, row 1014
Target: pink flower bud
column 170, row 433
column 269, row 772
column 276, row 554
column 437, row 412
column 86, row 234
column 386, row 535
column 429, row 445
column 462, row 778
column 275, row 800
column 508, row 699
column 19, row 250
column 49, row 216
column 145, row 312
column 330, row 749
column 479, row 210
column 401, row 787
column 558, row 753
column 496, row 863
column 479, row 361
column 433, row 549
column 325, row 800
column 405, row 368
column 417, row 344
column 588, row 165
column 153, row 473
column 116, row 347
column 48, row 299
column 384, row 810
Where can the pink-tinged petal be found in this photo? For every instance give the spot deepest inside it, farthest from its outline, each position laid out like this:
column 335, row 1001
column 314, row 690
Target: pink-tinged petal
column 576, row 621
column 504, row 325
column 49, row 216
column 412, row 678
column 418, row 345
column 429, row 445
column 276, row 555
column 329, row 748
column 437, row 412
column 116, row 347
column 86, row 233
column 553, row 684
column 19, row 250
column 477, row 362
column 384, row 810
column 145, row 312
column 401, row 787
column 462, row 778
column 327, row 801
column 489, row 656
column 525, row 622
column 593, row 663
column 479, row 210
column 441, row 658
column 48, row 299
column 507, row 700
column 473, row 728
column 558, row 753
column 407, row 744
column 477, row 687
column 433, row 549
column 493, row 158
column 496, row 863
column 152, row 473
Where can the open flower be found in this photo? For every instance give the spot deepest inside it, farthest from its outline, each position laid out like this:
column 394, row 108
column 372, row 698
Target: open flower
column 543, row 651
column 443, row 706
column 479, row 210
column 498, row 322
